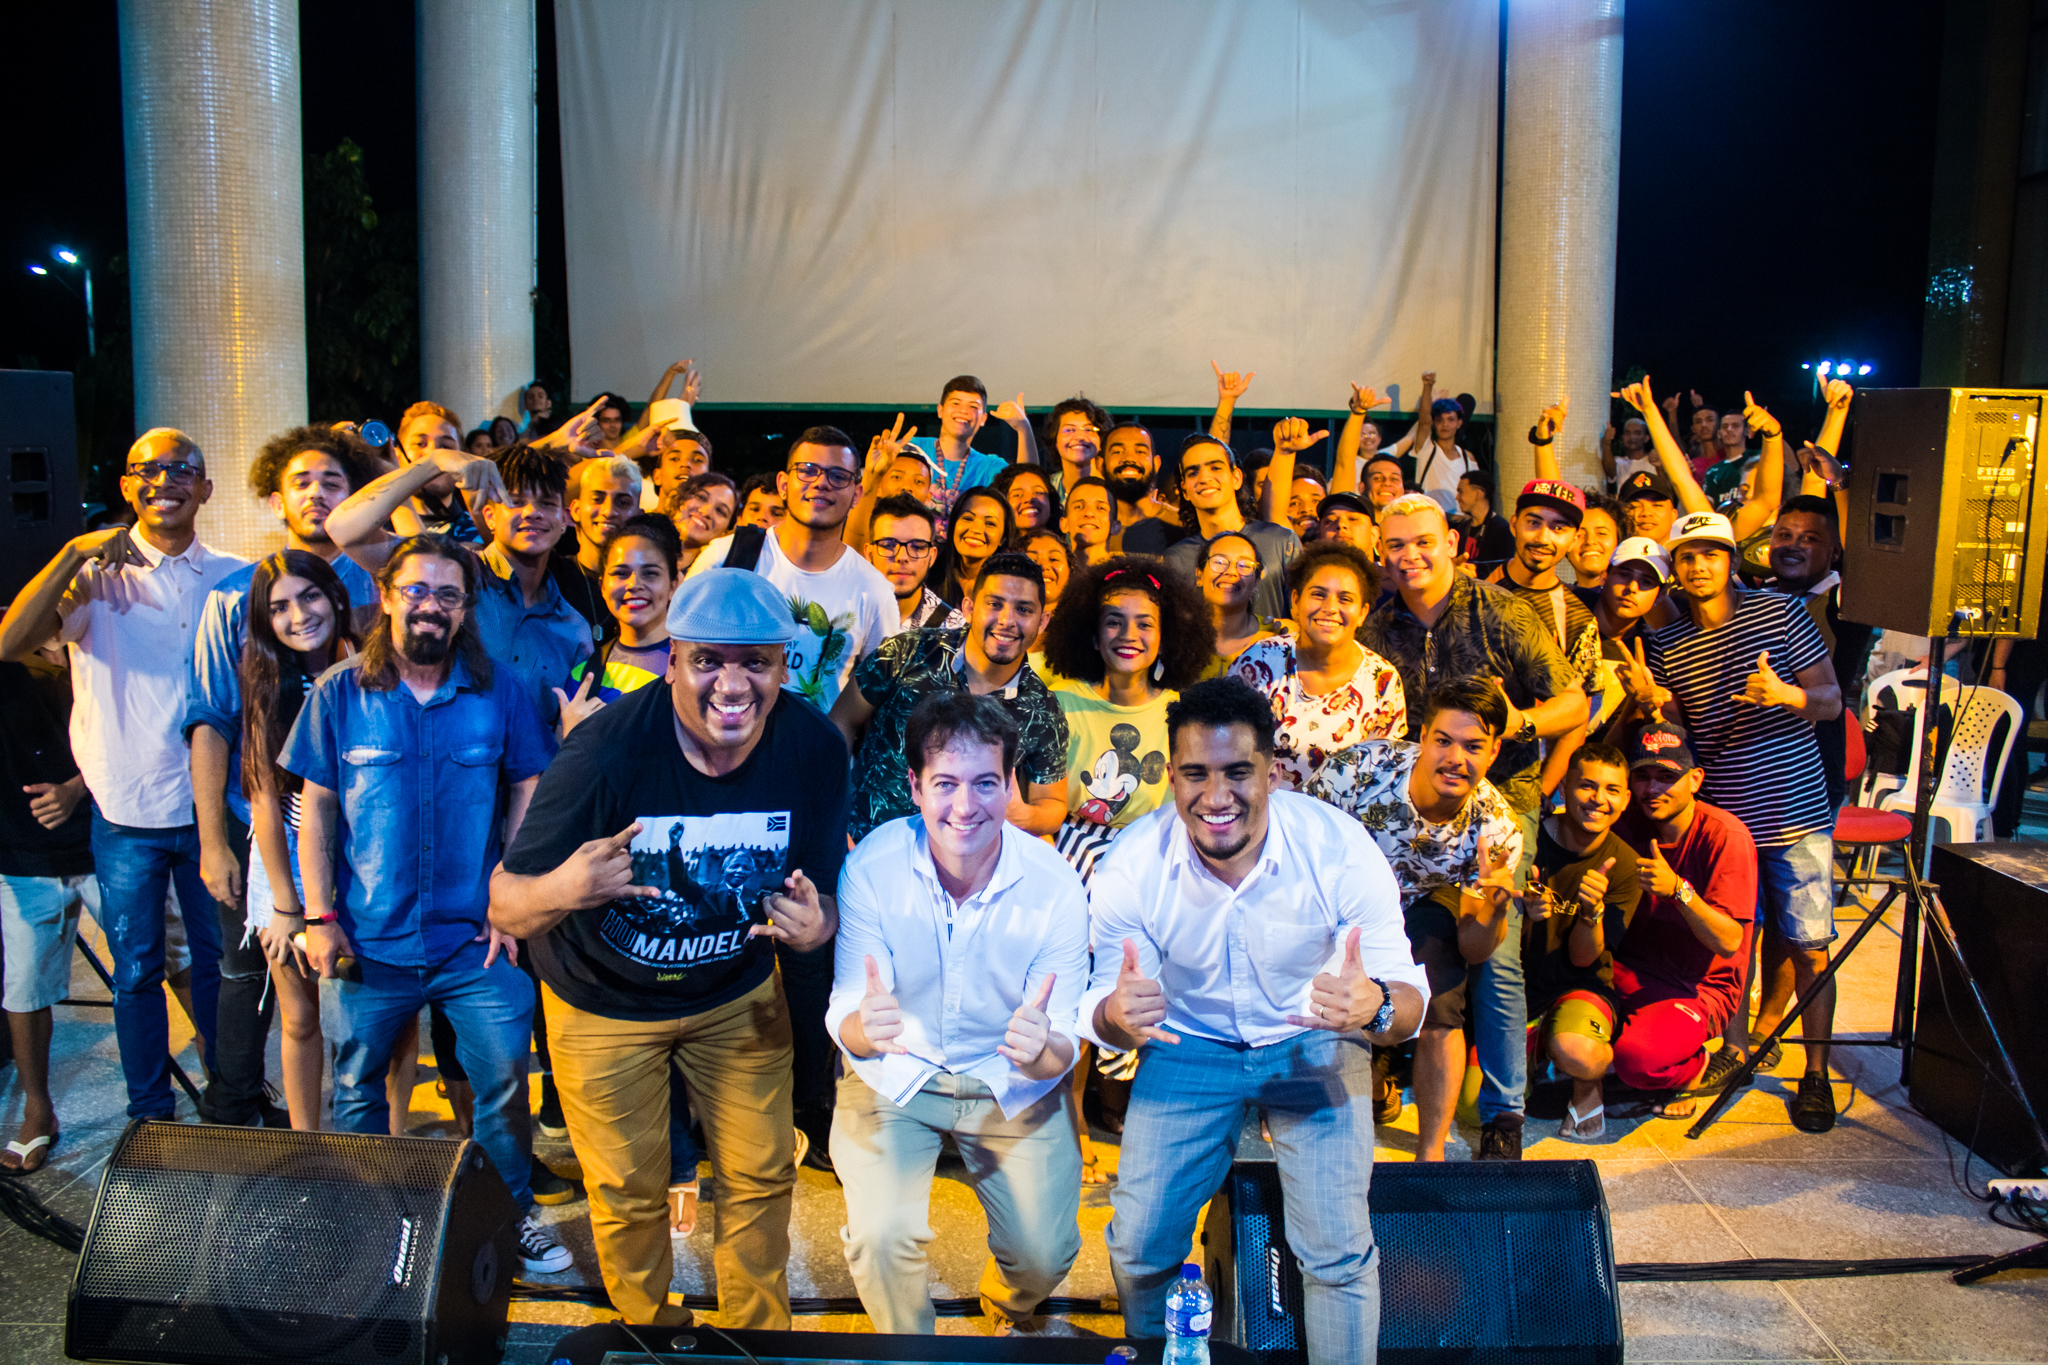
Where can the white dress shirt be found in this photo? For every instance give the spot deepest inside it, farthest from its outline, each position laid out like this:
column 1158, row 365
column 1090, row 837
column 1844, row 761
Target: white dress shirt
column 131, row 631
column 1236, row 962
column 958, row 970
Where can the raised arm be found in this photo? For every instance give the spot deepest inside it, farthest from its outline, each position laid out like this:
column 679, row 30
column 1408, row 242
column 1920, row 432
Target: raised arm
column 1230, row 386
column 1291, row 436
column 1607, row 465
column 1543, row 442
column 1839, row 396
column 1421, row 422
column 1762, row 507
column 1677, row 468
column 32, row 617
column 882, row 452
column 1344, row 464
column 1010, row 412
column 357, row 526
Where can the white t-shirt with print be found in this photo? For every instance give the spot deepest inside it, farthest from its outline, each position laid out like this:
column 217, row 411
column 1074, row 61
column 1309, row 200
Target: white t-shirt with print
column 846, row 611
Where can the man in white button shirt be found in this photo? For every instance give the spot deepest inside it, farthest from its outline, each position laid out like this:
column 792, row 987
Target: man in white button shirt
column 963, row 948
column 1250, row 943
column 127, row 603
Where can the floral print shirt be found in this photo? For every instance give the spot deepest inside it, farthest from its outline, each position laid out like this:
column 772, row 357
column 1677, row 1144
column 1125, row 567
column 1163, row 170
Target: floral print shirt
column 1308, row 729
column 1370, row 780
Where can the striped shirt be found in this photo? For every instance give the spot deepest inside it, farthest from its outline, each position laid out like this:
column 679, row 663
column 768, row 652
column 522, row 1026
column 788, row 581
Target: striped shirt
column 1762, row 763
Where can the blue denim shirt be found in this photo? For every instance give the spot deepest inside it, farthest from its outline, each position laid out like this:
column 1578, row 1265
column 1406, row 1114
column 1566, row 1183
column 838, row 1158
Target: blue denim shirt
column 214, row 689
column 419, row 788
column 540, row 643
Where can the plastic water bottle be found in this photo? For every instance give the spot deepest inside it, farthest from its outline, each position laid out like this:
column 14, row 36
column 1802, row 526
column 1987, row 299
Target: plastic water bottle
column 1189, row 1310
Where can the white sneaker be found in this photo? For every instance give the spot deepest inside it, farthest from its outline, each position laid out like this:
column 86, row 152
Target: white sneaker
column 539, row 1252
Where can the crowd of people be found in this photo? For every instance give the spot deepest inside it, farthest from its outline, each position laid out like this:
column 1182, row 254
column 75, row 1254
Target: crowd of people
column 1139, row 780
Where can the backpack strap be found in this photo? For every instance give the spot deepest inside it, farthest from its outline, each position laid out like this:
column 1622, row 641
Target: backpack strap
column 745, row 550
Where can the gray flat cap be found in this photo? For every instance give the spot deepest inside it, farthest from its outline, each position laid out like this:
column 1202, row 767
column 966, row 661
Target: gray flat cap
column 731, row 607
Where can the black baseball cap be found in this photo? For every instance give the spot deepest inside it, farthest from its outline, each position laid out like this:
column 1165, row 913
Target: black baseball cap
column 1645, row 483
column 1662, row 745
column 1343, row 502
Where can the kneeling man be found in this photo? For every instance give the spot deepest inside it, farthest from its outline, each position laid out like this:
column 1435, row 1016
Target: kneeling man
column 1250, row 943
column 963, row 948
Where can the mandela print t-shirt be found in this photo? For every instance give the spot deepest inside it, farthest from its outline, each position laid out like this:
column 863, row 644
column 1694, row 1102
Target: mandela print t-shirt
column 846, row 612
column 711, row 848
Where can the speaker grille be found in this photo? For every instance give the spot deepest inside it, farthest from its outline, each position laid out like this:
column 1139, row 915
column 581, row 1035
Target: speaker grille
column 243, row 1245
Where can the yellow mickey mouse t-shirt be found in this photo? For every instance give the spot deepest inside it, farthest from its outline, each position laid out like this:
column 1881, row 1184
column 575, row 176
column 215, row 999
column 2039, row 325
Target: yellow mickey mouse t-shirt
column 1116, row 755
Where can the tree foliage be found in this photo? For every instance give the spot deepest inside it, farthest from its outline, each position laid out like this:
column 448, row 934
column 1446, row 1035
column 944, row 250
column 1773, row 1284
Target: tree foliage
column 362, row 295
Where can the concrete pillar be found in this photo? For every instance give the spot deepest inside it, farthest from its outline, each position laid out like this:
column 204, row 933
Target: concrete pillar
column 478, row 243
column 216, row 236
column 1560, row 188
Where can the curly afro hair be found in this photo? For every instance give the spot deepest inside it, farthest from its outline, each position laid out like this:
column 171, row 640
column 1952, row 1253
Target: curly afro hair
column 1187, row 637
column 266, row 471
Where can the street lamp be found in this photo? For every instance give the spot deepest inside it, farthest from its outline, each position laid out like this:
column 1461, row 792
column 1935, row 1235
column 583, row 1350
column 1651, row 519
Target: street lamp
column 65, row 255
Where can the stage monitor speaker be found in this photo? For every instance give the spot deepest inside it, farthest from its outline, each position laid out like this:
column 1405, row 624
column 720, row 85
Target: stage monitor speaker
column 212, row 1245
column 39, row 447
column 1947, row 497
column 1479, row 1261
column 1996, row 898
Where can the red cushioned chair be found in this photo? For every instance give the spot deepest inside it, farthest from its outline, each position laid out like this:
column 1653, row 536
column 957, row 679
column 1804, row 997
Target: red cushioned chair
column 1864, row 831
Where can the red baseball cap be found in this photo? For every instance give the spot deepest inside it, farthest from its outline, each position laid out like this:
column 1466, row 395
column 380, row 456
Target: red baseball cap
column 1556, row 493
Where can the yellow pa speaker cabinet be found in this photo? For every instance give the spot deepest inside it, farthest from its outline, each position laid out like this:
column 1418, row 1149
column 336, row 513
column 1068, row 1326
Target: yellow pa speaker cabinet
column 1948, row 511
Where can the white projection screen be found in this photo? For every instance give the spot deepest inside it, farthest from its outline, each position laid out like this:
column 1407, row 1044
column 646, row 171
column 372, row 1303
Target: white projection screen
column 849, row 201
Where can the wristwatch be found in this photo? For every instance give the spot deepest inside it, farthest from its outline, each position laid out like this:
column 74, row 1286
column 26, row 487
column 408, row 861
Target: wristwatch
column 1686, row 895
column 1527, row 730
column 1384, row 1018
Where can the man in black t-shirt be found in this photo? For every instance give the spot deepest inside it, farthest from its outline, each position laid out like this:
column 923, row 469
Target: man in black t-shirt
column 681, row 833
column 1484, row 536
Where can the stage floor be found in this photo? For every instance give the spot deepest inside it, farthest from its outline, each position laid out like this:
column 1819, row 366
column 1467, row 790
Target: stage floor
column 1880, row 1185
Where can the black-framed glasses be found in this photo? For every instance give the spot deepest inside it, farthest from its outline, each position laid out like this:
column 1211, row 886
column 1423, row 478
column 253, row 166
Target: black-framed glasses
column 169, row 471
column 419, row 594
column 916, row 549
column 835, row 478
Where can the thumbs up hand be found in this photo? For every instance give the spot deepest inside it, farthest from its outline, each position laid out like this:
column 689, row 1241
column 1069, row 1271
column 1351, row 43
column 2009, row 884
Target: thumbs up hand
column 1765, row 688
column 1659, row 875
column 1345, row 1002
column 1030, row 1027
column 1593, row 887
column 881, row 1018
column 1137, row 1005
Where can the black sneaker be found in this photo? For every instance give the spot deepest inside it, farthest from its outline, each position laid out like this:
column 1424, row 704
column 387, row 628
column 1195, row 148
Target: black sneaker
column 550, row 1119
column 547, row 1187
column 539, row 1252
column 1386, row 1094
column 1500, row 1139
column 1813, row 1108
column 817, row 1126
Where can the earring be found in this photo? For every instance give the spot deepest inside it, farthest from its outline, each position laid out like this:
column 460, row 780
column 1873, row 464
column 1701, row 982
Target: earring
column 1158, row 670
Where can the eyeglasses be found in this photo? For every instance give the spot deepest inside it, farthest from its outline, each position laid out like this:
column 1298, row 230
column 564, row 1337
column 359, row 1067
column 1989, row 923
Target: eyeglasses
column 1069, row 429
column 891, row 547
column 418, row 594
column 170, row 471
column 835, row 478
column 1224, row 563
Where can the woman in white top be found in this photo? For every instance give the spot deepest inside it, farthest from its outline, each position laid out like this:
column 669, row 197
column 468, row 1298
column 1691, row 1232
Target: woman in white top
column 1328, row 692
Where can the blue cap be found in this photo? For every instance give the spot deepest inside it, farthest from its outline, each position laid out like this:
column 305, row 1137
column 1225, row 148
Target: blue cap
column 731, row 607
column 1190, row 1271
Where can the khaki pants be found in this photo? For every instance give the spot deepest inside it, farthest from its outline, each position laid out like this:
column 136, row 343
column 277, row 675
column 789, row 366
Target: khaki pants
column 613, row 1079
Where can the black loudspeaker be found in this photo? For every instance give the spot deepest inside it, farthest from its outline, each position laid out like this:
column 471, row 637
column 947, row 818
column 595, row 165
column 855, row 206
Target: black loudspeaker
column 39, row 460
column 216, row 1245
column 1479, row 1261
column 1946, row 493
column 608, row 1344
column 1996, row 898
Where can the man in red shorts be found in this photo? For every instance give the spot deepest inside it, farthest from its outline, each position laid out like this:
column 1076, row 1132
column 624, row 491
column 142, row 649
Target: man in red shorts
column 1678, row 969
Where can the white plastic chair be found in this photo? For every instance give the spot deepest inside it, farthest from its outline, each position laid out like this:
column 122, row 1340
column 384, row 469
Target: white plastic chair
column 1902, row 689
column 1967, row 790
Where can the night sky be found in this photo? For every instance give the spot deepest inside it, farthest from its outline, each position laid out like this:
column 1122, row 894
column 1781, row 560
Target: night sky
column 1776, row 165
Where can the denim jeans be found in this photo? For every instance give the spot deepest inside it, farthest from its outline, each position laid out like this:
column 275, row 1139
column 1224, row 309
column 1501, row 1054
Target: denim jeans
column 1187, row 1105
column 492, row 1011
column 1497, row 1015
column 1796, row 888
column 1025, row 1170
column 136, row 869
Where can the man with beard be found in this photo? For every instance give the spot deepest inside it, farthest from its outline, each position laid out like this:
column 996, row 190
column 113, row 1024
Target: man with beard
column 1453, row 843
column 846, row 608
column 1150, row 523
column 963, row 952
column 128, row 604
column 1244, row 940
column 986, row 657
column 603, row 492
column 1549, row 515
column 521, row 615
column 1442, row 625
column 723, row 753
column 1212, row 502
column 1750, row 678
column 904, row 547
column 409, row 751
column 303, row 474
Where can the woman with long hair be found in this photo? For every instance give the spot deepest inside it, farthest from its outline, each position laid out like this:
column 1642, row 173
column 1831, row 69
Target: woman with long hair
column 1328, row 692
column 1229, row 578
column 703, row 508
column 298, row 625
column 1034, row 504
column 980, row 525
column 1048, row 549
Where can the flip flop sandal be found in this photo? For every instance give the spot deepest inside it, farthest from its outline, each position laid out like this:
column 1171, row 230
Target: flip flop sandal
column 1092, row 1172
column 682, row 1207
column 1573, row 1118
column 36, row 1150
column 1679, row 1106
